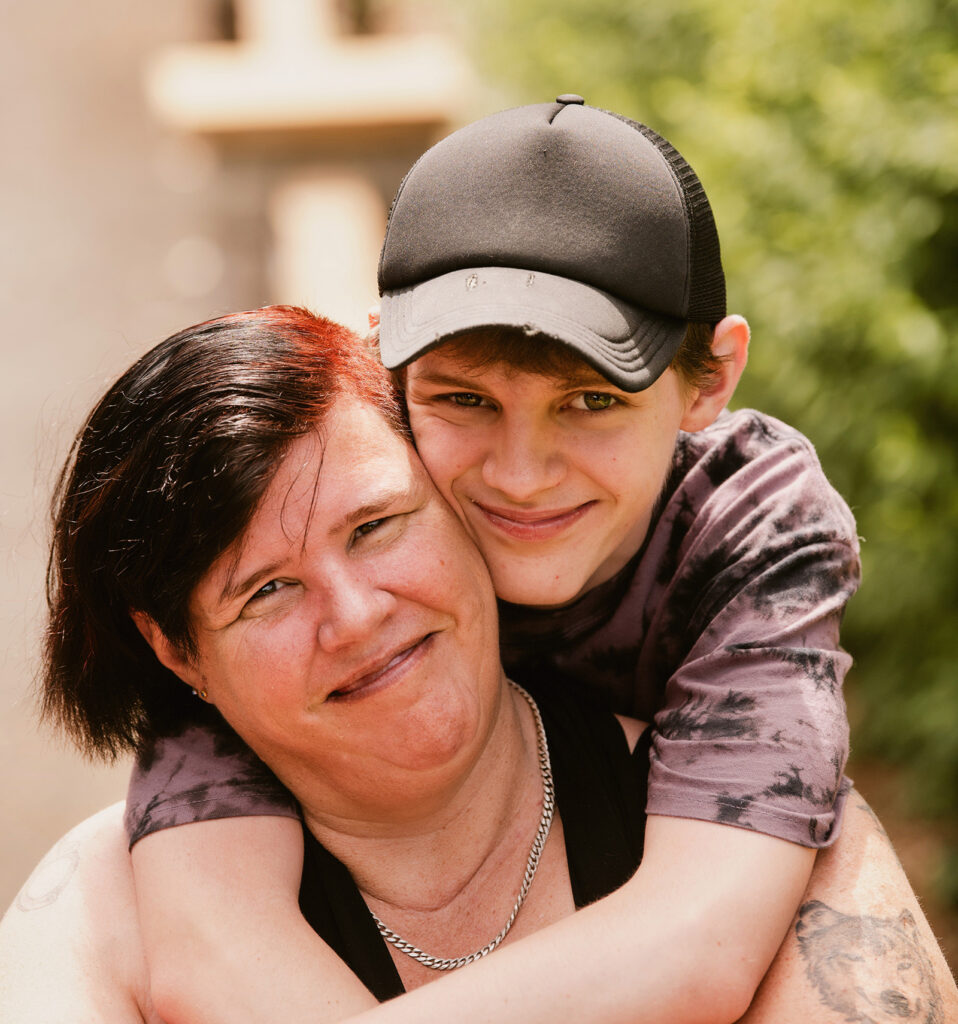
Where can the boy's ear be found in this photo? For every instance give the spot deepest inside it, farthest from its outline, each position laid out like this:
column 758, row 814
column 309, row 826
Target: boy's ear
column 730, row 346
column 168, row 655
column 371, row 337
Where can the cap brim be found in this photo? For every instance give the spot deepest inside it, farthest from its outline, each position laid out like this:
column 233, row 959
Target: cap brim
column 629, row 346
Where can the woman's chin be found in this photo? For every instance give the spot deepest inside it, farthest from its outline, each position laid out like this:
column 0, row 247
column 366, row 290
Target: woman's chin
column 438, row 730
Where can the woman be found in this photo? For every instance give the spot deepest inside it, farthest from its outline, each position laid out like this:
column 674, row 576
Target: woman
column 243, row 505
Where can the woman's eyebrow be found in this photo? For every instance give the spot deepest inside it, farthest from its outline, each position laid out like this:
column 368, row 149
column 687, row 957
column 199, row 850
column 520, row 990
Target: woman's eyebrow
column 379, row 503
column 375, row 506
column 232, row 588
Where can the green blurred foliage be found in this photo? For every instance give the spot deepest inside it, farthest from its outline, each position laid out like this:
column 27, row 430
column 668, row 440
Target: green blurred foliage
column 826, row 134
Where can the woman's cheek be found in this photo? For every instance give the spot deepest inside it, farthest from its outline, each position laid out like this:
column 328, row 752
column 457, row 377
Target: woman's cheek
column 445, row 452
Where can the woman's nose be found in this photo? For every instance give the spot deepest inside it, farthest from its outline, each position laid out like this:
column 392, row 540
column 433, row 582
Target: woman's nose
column 354, row 610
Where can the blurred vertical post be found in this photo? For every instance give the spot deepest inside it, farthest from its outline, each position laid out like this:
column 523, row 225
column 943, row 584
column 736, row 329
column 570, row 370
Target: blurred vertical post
column 334, row 114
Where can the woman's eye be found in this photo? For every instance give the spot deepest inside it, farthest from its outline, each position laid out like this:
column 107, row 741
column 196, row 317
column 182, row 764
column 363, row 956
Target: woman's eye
column 370, row 527
column 594, row 401
column 268, row 588
column 259, row 602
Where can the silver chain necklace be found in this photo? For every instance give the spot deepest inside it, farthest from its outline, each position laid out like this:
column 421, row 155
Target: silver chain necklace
column 439, row 963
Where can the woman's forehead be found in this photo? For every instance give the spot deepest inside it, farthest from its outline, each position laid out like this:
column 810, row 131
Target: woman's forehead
column 351, row 468
column 355, row 459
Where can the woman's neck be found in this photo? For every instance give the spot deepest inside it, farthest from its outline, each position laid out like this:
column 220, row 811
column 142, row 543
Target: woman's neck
column 469, row 835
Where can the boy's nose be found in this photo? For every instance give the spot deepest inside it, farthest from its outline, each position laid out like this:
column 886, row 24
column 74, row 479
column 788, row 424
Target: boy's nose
column 523, row 464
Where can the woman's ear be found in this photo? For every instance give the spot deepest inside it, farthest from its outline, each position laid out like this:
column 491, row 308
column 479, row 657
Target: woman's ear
column 168, row 655
column 730, row 347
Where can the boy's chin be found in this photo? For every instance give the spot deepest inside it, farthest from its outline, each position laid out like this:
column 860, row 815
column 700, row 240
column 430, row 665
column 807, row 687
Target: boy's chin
column 538, row 589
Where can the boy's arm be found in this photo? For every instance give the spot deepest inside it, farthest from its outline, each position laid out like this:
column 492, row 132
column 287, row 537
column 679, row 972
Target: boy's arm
column 860, row 948
column 688, row 939
column 230, row 943
column 217, row 856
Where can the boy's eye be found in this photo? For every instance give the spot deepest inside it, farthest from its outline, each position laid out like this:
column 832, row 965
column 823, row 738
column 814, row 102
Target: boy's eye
column 594, row 401
column 469, row 399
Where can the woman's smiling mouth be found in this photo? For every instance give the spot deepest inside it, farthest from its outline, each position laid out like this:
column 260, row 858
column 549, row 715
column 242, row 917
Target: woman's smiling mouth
column 385, row 671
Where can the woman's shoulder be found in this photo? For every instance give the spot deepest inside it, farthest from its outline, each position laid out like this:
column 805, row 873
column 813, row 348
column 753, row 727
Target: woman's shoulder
column 70, row 942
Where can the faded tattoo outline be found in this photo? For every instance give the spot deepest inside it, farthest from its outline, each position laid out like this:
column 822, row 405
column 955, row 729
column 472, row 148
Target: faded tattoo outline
column 66, row 851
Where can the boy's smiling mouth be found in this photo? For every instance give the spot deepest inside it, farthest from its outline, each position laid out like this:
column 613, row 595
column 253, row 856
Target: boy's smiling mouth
column 534, row 525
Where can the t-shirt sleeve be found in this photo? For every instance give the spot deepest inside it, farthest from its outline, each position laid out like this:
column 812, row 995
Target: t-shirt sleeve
column 202, row 773
column 753, row 729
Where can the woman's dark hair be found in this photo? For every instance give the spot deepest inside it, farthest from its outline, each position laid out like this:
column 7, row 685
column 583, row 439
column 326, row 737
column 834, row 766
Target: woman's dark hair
column 164, row 476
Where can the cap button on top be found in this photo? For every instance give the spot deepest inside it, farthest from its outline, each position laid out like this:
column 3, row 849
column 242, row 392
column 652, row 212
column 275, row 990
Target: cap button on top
column 569, row 97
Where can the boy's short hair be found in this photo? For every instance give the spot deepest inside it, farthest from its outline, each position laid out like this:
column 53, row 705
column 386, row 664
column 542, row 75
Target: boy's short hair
column 560, row 220
column 488, row 347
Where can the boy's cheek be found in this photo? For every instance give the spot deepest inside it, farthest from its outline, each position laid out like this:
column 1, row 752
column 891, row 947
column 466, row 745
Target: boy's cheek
column 445, row 454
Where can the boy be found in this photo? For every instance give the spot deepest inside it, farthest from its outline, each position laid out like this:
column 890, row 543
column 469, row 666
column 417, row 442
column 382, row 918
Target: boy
column 553, row 298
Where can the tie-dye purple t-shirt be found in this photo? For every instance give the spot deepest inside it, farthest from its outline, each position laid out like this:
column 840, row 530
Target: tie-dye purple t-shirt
column 722, row 631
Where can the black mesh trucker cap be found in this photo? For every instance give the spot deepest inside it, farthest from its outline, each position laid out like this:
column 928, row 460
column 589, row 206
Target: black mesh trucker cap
column 558, row 219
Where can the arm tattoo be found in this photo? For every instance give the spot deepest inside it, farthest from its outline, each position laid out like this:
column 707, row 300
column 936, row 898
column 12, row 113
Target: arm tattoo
column 871, row 969
column 51, row 876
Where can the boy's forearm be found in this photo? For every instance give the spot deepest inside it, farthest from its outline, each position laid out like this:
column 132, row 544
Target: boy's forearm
column 859, row 948
column 222, row 930
column 687, row 940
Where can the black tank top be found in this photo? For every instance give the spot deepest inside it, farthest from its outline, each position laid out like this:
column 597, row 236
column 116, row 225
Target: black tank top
column 600, row 794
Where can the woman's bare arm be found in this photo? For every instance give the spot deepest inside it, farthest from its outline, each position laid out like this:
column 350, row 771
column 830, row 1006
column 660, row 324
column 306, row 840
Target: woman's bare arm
column 69, row 943
column 860, row 947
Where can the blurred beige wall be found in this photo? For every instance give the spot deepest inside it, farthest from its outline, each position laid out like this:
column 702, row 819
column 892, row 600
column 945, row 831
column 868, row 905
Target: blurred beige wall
column 113, row 235
column 118, row 229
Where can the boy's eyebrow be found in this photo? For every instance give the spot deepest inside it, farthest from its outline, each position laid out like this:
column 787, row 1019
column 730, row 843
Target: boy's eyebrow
column 587, row 376
column 446, row 379
column 584, row 377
